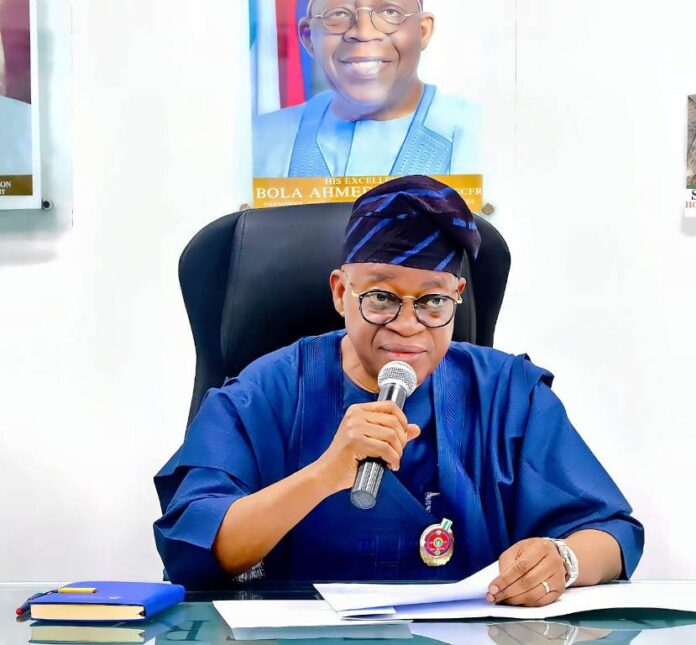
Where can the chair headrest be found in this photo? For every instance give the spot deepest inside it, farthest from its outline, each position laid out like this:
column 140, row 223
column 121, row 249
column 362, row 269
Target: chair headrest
column 258, row 280
column 278, row 281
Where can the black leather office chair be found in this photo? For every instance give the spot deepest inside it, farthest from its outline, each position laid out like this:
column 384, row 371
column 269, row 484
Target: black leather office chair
column 258, row 280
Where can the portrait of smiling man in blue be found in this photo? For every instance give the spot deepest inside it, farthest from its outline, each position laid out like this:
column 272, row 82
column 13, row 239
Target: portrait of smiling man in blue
column 377, row 117
column 15, row 89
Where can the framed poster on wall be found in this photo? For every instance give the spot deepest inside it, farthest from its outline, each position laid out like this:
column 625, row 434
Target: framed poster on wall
column 346, row 95
column 20, row 162
column 691, row 158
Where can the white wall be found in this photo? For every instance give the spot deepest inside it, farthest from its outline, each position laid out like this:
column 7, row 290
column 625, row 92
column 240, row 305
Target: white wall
column 96, row 358
column 96, row 355
column 602, row 287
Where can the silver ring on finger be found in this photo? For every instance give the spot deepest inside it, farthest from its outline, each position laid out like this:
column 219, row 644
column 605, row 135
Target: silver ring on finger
column 547, row 588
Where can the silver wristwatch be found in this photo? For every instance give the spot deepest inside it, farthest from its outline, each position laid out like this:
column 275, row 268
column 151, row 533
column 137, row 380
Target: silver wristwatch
column 570, row 560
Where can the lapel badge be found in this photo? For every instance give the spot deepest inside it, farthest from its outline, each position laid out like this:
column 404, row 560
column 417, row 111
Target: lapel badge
column 437, row 544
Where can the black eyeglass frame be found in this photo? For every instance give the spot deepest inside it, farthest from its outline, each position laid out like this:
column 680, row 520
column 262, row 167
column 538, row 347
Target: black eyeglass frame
column 361, row 296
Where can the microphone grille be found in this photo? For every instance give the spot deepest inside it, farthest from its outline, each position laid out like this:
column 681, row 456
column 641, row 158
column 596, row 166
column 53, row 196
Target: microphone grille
column 398, row 372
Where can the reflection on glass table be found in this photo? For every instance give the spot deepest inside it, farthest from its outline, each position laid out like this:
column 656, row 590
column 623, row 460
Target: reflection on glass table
column 197, row 621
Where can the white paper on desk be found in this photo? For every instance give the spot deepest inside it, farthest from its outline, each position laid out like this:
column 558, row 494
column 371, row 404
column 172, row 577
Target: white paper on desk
column 247, row 614
column 675, row 595
column 356, row 630
column 365, row 599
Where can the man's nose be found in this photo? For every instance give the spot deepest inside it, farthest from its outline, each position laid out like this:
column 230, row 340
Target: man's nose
column 363, row 29
column 406, row 323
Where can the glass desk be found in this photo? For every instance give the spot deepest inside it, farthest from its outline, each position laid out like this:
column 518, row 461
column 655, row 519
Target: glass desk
column 197, row 621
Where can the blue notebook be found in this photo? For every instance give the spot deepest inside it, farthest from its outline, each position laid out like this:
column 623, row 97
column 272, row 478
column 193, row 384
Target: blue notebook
column 47, row 631
column 106, row 601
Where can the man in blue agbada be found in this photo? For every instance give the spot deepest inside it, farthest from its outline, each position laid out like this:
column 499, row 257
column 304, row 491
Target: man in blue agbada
column 15, row 137
column 368, row 52
column 260, row 486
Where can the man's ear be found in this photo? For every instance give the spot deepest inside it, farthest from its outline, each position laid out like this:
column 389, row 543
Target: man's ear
column 304, row 30
column 338, row 289
column 461, row 285
column 427, row 27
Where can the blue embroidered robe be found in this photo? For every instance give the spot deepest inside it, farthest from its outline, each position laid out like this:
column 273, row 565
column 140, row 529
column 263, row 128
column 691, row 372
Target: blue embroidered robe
column 440, row 138
column 15, row 137
column 509, row 466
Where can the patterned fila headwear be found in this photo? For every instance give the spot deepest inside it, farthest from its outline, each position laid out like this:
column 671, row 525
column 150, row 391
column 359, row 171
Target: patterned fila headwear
column 413, row 221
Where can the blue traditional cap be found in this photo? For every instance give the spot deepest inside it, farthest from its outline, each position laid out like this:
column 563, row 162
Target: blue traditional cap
column 413, row 221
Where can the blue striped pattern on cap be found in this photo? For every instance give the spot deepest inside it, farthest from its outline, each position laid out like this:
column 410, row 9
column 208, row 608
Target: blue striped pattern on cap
column 412, row 221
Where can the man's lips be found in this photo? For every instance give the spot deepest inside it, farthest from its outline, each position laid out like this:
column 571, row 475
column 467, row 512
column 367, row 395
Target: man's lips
column 364, row 67
column 405, row 351
column 364, row 59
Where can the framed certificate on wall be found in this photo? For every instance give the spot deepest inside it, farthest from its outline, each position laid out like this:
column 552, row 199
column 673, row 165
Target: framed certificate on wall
column 691, row 158
column 20, row 159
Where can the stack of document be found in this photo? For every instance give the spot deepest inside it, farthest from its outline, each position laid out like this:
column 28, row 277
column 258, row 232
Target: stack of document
column 362, row 600
column 466, row 599
column 288, row 619
column 380, row 610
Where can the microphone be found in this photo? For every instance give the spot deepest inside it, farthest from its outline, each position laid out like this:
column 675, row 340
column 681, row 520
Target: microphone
column 396, row 381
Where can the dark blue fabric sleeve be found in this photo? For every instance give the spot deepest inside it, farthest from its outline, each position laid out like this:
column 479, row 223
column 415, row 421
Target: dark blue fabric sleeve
column 235, row 446
column 196, row 489
column 562, row 488
column 184, row 535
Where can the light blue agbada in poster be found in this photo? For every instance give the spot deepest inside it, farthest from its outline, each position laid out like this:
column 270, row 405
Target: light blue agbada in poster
column 497, row 455
column 440, row 138
column 15, row 137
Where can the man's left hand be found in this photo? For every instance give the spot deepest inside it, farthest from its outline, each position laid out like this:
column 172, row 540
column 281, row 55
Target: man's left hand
column 524, row 568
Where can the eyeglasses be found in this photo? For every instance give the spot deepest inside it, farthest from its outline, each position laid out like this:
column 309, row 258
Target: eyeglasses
column 380, row 307
column 387, row 18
